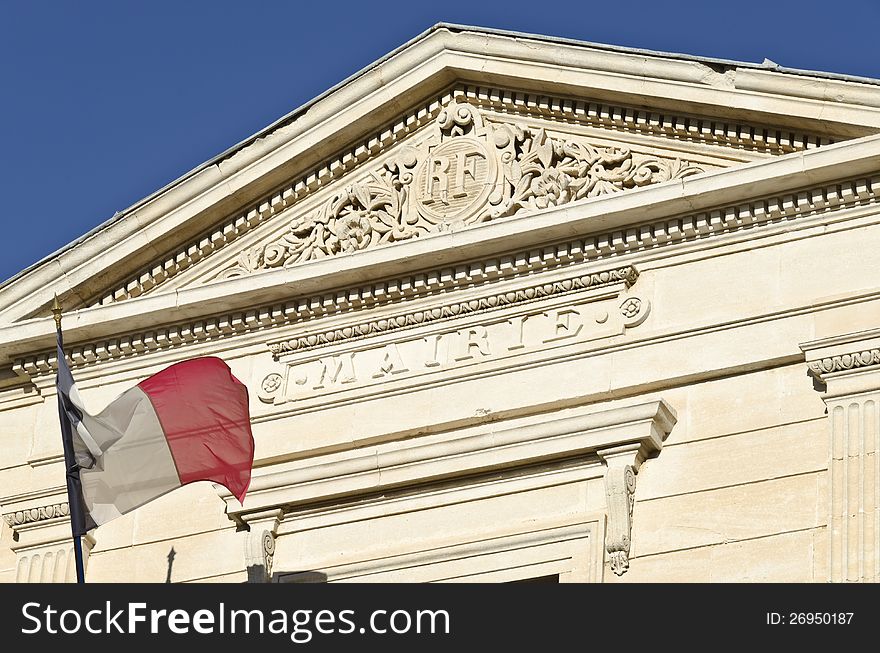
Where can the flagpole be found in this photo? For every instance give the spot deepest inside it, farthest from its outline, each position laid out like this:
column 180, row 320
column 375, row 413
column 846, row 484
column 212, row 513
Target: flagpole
column 69, row 463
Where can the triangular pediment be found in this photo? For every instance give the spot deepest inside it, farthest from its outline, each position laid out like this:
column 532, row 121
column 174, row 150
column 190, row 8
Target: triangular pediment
column 466, row 160
column 464, row 167
column 370, row 165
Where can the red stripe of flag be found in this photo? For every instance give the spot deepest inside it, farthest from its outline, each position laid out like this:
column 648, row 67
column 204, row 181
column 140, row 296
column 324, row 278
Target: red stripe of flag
column 203, row 410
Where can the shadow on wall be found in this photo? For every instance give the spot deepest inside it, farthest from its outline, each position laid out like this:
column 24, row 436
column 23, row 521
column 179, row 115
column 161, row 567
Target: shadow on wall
column 257, row 574
column 296, row 577
column 171, row 555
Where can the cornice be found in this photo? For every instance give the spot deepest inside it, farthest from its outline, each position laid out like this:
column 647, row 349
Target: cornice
column 398, row 464
column 437, row 282
column 36, row 515
column 626, row 275
column 842, row 356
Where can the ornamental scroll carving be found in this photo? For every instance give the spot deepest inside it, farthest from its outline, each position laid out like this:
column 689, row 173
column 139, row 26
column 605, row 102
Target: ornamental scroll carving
column 620, row 486
column 622, row 466
column 259, row 555
column 468, row 171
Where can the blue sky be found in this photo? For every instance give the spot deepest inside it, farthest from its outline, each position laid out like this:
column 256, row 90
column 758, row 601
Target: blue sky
column 105, row 102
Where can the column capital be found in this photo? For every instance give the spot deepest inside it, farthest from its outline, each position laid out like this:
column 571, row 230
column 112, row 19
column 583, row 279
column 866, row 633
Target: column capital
column 847, row 364
column 42, row 539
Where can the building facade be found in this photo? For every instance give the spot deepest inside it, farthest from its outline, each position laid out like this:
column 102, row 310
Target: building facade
column 508, row 308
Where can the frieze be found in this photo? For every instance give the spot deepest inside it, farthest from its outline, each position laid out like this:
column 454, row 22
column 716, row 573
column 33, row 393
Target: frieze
column 490, row 341
column 33, row 515
column 630, row 308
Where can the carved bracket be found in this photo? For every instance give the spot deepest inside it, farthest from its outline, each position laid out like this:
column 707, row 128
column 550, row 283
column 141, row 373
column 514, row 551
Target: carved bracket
column 259, row 545
column 620, row 485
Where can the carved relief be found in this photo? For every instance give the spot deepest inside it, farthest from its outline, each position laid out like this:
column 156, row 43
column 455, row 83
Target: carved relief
column 620, row 487
column 259, row 544
column 42, row 543
column 845, row 362
column 309, row 371
column 468, row 171
column 259, row 555
column 622, row 463
column 632, row 310
column 32, row 515
column 690, row 128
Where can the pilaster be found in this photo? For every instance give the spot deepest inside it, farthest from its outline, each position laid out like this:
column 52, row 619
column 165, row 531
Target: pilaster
column 848, row 367
column 42, row 538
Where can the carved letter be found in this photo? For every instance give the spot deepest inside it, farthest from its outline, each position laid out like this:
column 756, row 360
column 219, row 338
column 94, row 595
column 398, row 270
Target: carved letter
column 518, row 323
column 333, row 368
column 465, row 162
column 434, row 361
column 475, row 337
column 562, row 325
column 437, row 168
column 391, row 363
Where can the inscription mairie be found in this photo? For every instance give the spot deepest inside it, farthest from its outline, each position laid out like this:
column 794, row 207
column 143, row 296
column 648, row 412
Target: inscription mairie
column 295, row 380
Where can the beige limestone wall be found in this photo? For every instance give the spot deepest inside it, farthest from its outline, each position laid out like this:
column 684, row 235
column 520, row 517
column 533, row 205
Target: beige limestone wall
column 190, row 521
column 738, row 492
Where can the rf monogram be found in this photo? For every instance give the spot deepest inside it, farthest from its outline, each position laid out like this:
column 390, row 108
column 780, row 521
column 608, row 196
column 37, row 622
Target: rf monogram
column 455, row 179
column 441, row 168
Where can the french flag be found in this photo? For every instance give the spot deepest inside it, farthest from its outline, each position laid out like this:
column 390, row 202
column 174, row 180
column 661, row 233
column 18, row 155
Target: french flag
column 190, row 422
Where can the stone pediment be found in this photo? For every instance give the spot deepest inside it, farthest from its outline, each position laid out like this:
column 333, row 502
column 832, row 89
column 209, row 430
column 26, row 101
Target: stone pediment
column 465, row 168
column 456, row 130
column 465, row 162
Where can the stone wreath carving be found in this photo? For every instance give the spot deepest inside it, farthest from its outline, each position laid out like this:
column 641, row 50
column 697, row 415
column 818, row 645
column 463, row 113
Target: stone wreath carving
column 467, row 172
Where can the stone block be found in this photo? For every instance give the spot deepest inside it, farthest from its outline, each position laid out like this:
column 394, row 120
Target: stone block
column 727, row 514
column 735, row 460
